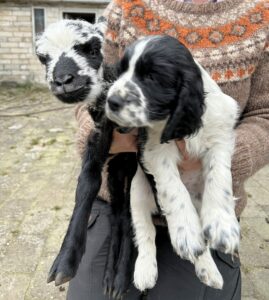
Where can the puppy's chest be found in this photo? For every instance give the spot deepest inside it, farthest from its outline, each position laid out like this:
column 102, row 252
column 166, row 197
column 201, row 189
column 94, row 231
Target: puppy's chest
column 165, row 158
column 194, row 182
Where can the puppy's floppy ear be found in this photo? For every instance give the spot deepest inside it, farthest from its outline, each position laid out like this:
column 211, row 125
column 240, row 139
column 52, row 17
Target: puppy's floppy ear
column 101, row 25
column 186, row 115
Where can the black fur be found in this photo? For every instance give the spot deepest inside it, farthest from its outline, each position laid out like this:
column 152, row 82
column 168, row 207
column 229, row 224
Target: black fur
column 118, row 271
column 171, row 82
column 121, row 170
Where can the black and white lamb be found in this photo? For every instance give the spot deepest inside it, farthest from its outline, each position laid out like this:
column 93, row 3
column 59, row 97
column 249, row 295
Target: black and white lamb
column 72, row 53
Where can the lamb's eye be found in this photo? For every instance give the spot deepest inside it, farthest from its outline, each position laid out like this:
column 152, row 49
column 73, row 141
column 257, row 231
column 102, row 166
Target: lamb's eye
column 43, row 58
column 87, row 49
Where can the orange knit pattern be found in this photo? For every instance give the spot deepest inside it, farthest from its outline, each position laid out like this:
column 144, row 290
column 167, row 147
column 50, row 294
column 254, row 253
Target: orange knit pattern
column 203, row 37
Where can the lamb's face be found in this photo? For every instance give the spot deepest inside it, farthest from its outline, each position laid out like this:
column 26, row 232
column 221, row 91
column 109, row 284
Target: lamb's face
column 71, row 50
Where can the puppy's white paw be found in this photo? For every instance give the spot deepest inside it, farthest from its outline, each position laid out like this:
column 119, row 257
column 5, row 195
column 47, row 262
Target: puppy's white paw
column 187, row 241
column 210, row 278
column 146, row 272
column 222, row 231
column 207, row 271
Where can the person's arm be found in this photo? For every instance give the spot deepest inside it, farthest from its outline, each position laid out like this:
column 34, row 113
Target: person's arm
column 113, row 15
column 85, row 126
column 252, row 134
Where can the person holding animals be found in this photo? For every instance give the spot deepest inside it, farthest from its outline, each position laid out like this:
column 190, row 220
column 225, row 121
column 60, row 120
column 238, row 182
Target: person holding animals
column 229, row 39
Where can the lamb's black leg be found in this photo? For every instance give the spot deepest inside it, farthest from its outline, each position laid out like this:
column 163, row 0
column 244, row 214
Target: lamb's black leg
column 117, row 276
column 116, row 185
column 89, row 182
column 125, row 263
column 124, row 266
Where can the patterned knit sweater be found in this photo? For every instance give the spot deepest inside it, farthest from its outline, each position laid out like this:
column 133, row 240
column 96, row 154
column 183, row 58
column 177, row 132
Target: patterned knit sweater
column 230, row 39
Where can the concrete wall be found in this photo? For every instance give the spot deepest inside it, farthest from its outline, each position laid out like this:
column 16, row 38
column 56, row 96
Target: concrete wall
column 17, row 59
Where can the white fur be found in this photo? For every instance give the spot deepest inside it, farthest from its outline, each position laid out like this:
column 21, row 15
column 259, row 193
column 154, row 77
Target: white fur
column 142, row 207
column 120, row 88
column 60, row 38
column 214, row 145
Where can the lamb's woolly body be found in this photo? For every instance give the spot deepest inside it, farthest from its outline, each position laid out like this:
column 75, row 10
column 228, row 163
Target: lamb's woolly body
column 75, row 74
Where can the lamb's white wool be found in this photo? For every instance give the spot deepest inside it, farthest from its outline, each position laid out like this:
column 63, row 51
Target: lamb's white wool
column 61, row 40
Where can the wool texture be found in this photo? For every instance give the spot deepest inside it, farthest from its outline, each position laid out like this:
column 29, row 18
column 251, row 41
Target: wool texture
column 229, row 38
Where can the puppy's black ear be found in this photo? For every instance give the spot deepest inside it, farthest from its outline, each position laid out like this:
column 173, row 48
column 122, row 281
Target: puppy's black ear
column 186, row 115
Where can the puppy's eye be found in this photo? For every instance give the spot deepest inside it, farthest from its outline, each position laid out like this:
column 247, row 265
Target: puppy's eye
column 149, row 76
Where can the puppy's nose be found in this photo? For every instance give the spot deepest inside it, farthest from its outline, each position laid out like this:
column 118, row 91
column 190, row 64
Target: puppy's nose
column 64, row 79
column 115, row 103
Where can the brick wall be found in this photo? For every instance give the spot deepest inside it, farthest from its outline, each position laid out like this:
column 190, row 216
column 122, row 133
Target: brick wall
column 17, row 58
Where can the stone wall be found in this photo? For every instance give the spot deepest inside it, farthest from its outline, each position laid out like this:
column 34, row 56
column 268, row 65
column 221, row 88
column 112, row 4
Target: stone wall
column 17, row 59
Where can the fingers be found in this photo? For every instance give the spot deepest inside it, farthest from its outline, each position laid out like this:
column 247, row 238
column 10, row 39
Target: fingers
column 123, row 142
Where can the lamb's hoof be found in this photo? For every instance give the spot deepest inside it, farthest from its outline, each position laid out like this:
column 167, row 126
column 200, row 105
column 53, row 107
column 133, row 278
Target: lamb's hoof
column 115, row 286
column 146, row 272
column 121, row 284
column 64, row 267
column 108, row 282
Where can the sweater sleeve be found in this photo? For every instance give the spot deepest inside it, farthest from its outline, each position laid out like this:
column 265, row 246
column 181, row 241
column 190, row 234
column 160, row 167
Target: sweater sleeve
column 85, row 126
column 111, row 53
column 252, row 134
column 113, row 14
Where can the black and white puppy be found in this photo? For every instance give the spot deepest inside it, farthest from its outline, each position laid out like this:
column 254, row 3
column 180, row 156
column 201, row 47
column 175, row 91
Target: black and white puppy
column 72, row 53
column 161, row 88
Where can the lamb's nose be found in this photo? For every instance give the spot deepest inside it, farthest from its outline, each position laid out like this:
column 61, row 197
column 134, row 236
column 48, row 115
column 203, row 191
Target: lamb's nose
column 115, row 103
column 64, row 79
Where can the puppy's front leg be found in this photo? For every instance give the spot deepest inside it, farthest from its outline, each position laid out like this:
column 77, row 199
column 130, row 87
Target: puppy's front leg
column 161, row 161
column 89, row 182
column 142, row 208
column 220, row 225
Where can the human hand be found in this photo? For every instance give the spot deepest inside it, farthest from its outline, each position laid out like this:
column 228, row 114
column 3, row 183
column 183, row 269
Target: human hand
column 127, row 143
column 187, row 163
column 123, row 142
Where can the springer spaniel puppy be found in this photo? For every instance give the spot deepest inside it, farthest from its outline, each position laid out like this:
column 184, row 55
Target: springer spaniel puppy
column 72, row 54
column 168, row 95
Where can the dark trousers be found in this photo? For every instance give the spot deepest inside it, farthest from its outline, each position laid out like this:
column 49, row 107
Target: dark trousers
column 176, row 277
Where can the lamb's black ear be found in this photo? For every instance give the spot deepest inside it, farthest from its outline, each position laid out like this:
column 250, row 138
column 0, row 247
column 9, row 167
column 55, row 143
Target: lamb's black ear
column 101, row 19
column 101, row 25
column 186, row 115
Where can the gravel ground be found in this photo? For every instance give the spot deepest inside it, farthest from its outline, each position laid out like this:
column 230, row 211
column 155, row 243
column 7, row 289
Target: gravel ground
column 39, row 167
